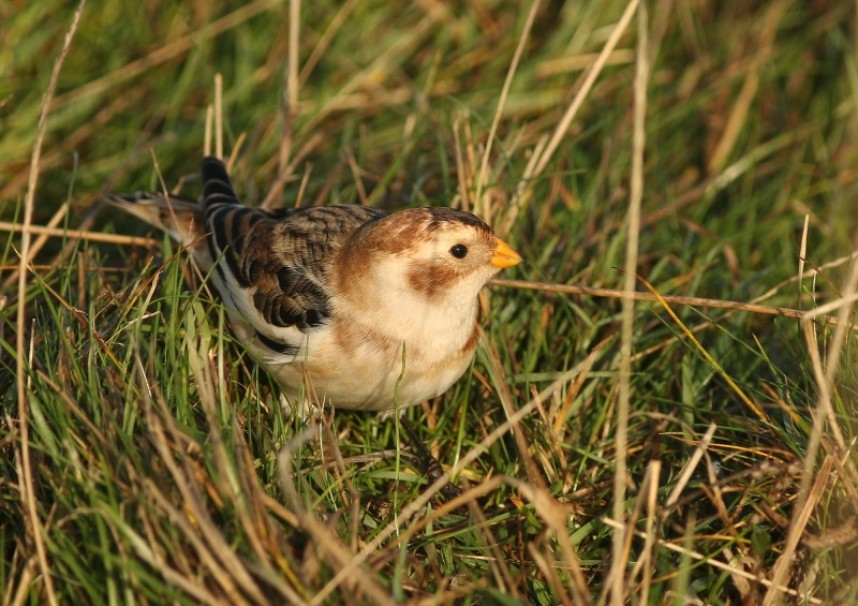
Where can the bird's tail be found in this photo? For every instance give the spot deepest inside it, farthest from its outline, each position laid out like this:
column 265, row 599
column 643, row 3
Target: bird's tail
column 217, row 189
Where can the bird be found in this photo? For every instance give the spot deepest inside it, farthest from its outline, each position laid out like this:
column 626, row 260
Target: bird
column 349, row 305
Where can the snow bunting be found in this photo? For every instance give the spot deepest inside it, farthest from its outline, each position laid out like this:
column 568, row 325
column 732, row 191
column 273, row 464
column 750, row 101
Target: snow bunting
column 368, row 310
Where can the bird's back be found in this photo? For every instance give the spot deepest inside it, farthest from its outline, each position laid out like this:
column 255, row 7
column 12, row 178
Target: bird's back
column 270, row 268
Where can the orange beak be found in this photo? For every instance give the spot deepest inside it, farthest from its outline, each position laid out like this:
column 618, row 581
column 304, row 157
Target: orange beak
column 504, row 256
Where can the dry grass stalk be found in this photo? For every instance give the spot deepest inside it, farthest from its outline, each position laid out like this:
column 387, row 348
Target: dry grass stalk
column 717, row 563
column 621, row 542
column 28, row 495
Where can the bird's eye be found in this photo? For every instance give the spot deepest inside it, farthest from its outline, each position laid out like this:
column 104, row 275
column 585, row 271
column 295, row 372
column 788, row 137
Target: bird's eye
column 460, row 251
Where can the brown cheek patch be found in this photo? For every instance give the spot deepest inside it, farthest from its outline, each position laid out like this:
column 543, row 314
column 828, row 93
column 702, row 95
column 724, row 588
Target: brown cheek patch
column 431, row 279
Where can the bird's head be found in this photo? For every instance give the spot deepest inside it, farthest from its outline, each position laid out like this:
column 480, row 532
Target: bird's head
column 442, row 255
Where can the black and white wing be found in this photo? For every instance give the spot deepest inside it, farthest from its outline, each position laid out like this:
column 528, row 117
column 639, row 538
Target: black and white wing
column 274, row 268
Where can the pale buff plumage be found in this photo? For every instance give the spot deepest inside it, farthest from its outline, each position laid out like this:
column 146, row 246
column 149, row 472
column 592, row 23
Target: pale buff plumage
column 367, row 310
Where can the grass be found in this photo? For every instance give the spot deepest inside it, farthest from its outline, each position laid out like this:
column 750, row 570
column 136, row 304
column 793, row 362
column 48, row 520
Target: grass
column 149, row 460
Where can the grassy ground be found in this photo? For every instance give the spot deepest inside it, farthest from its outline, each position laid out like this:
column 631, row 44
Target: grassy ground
column 149, row 461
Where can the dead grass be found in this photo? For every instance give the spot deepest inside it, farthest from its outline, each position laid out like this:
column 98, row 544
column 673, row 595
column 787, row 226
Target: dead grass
column 148, row 461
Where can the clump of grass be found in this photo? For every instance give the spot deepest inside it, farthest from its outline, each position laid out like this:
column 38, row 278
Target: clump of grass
column 161, row 463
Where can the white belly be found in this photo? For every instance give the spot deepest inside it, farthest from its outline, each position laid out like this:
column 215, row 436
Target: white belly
column 355, row 373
